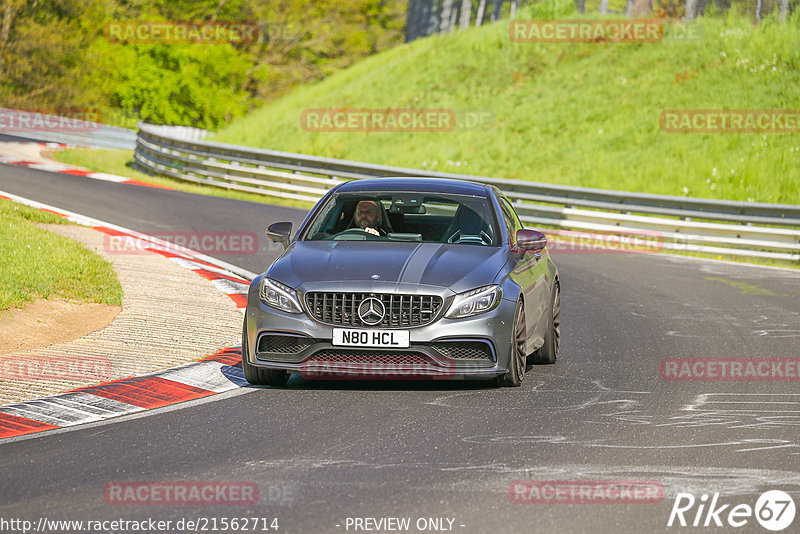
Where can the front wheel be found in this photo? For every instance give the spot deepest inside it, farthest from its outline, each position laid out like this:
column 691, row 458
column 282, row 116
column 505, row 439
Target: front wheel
column 516, row 365
column 548, row 354
column 256, row 375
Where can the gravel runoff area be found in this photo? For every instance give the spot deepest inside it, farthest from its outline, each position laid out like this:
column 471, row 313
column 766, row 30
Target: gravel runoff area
column 170, row 316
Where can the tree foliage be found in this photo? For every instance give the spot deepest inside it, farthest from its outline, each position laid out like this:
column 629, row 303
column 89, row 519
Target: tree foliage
column 55, row 55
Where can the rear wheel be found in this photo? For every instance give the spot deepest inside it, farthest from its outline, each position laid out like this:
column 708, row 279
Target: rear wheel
column 256, row 375
column 516, row 364
column 552, row 340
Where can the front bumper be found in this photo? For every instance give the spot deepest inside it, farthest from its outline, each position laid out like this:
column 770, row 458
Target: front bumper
column 474, row 348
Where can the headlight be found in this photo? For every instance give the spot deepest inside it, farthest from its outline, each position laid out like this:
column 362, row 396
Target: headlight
column 279, row 296
column 474, row 302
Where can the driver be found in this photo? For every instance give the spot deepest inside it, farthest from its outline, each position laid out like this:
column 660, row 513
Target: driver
column 368, row 217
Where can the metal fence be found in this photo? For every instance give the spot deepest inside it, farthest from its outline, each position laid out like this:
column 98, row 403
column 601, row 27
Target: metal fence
column 427, row 17
column 677, row 223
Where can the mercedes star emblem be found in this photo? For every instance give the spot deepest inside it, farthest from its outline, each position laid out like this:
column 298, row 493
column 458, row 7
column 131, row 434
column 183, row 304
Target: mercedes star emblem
column 371, row 311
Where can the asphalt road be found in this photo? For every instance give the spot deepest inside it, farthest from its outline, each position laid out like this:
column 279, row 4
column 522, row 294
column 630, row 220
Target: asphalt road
column 6, row 138
column 322, row 452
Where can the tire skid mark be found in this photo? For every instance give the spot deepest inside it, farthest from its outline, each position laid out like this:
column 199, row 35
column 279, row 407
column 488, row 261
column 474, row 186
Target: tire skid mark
column 495, row 477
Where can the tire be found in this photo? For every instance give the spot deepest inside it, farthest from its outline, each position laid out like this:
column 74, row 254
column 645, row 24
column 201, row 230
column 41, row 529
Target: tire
column 516, row 372
column 256, row 375
column 548, row 354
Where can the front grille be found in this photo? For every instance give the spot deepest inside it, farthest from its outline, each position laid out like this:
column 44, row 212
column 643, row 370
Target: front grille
column 371, row 357
column 282, row 344
column 464, row 350
column 341, row 309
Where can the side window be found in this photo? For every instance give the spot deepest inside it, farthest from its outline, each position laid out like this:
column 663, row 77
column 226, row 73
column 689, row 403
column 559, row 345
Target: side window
column 511, row 219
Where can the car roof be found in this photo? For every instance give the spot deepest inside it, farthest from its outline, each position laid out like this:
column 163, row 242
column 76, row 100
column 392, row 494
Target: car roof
column 415, row 184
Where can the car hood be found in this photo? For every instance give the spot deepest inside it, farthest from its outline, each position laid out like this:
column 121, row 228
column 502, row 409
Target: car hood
column 458, row 267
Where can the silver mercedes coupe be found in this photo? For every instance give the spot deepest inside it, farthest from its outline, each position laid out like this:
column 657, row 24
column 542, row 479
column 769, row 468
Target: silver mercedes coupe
column 406, row 278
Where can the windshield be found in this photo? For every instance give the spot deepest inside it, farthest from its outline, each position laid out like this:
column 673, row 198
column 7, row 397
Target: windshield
column 416, row 217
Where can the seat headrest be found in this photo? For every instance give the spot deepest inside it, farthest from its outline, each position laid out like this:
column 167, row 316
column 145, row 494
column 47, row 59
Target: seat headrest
column 468, row 221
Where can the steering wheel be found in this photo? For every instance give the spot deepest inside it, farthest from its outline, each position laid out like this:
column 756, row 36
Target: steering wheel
column 354, row 234
column 460, row 237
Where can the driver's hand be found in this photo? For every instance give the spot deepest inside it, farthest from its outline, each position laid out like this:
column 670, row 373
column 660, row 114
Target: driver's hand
column 372, row 231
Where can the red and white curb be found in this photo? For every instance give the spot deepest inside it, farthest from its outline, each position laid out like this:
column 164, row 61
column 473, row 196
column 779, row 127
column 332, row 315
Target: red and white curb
column 214, row 374
column 73, row 171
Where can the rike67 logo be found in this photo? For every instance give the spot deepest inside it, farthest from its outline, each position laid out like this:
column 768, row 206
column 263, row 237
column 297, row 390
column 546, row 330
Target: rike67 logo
column 774, row 510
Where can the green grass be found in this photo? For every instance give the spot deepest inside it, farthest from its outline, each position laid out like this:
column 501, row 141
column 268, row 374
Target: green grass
column 39, row 264
column 584, row 114
column 120, row 162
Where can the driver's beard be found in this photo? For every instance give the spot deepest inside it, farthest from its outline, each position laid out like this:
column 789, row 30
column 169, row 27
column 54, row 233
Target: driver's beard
column 364, row 224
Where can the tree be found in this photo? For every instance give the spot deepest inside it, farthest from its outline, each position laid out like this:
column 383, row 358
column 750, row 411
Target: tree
column 466, row 13
column 497, row 7
column 54, row 54
column 481, row 11
column 691, row 9
column 10, row 10
column 447, row 11
column 43, row 47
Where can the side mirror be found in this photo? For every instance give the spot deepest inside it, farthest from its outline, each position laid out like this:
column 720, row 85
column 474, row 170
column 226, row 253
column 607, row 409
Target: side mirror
column 279, row 232
column 530, row 241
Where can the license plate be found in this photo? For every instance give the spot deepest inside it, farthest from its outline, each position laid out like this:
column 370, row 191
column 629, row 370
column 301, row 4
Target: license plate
column 345, row 337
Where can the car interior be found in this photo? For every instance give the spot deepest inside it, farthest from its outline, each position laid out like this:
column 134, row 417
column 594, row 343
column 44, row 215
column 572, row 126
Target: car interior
column 408, row 218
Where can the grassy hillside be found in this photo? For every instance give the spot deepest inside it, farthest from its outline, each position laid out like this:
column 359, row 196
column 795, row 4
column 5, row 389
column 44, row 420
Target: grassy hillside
column 577, row 114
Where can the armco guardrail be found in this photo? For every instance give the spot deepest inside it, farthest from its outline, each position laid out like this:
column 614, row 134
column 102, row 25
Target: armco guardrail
column 678, row 223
